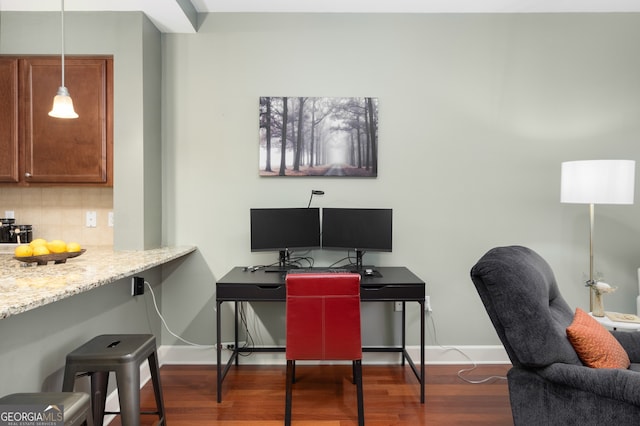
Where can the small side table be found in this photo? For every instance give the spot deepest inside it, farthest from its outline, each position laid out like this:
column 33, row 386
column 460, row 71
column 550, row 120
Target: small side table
column 617, row 325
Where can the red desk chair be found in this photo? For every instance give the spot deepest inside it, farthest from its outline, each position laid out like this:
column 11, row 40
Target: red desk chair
column 323, row 323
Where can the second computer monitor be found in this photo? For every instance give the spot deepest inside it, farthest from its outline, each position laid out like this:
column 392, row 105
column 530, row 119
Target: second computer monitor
column 357, row 229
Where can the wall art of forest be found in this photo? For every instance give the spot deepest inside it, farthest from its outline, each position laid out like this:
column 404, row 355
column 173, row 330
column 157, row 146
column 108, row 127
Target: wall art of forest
column 307, row 136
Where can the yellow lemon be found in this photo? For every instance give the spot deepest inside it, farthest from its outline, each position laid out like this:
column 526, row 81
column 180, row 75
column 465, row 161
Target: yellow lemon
column 23, row 251
column 38, row 242
column 73, row 247
column 40, row 250
column 57, row 246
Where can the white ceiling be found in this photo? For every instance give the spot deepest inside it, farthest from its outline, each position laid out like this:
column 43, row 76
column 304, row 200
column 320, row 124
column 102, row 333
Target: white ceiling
column 170, row 16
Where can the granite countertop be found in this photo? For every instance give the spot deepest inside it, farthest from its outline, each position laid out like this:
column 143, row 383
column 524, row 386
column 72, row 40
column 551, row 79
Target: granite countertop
column 27, row 287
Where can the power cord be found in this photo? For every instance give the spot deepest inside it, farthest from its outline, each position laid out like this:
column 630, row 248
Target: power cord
column 337, row 263
column 460, row 351
column 249, row 343
column 295, row 262
column 155, row 305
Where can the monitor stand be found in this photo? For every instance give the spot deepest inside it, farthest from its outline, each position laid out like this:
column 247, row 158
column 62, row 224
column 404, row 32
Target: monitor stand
column 359, row 254
column 364, row 270
column 284, row 258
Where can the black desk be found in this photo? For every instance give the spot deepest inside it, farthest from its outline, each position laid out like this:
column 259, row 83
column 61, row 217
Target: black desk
column 396, row 284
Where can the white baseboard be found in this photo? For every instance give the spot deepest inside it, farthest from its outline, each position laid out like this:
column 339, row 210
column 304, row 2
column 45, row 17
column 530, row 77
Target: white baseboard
column 494, row 354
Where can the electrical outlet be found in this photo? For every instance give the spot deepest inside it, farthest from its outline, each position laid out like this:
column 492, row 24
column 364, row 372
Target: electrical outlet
column 232, row 346
column 397, row 306
column 91, row 219
column 427, row 303
column 137, row 286
column 110, row 220
column 9, row 214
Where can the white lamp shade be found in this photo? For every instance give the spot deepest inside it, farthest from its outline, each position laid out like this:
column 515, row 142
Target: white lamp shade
column 598, row 182
column 63, row 105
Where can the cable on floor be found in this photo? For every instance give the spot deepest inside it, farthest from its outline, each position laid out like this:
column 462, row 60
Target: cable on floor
column 460, row 351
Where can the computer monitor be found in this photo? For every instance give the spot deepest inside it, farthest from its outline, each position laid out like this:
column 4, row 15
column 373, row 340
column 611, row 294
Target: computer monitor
column 357, row 229
column 284, row 230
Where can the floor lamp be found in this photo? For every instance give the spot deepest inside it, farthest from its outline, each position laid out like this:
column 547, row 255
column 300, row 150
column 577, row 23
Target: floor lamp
column 597, row 182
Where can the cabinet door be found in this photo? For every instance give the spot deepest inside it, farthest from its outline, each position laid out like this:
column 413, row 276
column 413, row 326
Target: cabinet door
column 67, row 150
column 9, row 120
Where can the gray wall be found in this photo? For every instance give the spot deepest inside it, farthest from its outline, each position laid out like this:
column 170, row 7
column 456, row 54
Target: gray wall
column 152, row 163
column 34, row 344
column 136, row 47
column 476, row 114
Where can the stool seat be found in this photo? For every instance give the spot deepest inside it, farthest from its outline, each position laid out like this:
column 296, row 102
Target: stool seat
column 75, row 405
column 122, row 354
column 113, row 349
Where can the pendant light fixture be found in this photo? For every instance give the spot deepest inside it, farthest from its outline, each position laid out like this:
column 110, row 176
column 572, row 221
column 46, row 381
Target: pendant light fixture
column 62, row 103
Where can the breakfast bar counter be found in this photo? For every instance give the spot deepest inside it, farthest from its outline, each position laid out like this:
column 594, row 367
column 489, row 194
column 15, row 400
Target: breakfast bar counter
column 23, row 287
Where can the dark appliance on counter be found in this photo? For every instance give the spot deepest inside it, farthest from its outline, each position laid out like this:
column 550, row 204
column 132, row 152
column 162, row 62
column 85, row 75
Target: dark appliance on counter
column 5, row 229
column 12, row 233
column 23, row 234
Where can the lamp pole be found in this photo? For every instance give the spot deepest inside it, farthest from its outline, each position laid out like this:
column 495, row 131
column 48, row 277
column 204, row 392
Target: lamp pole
column 591, row 282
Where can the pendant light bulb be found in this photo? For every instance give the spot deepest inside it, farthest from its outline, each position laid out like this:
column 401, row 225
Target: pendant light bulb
column 62, row 103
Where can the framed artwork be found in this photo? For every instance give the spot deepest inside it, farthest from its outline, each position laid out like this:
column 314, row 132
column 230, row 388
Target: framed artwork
column 318, row 136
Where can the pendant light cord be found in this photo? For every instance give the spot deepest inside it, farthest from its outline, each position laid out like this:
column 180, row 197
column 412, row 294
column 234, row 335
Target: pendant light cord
column 62, row 21
column 62, row 103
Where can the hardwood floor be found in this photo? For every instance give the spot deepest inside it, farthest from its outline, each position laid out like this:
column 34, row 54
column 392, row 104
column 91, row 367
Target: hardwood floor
column 325, row 396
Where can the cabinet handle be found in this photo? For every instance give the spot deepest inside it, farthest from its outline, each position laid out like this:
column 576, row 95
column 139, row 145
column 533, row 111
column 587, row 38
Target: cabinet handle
column 27, row 174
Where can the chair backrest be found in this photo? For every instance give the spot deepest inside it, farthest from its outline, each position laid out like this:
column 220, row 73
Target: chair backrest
column 323, row 316
column 521, row 296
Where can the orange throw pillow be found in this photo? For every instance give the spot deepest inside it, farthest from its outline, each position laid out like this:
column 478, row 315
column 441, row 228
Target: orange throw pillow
column 596, row 347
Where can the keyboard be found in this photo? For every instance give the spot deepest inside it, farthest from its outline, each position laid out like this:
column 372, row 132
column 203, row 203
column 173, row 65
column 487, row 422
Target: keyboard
column 320, row 270
column 277, row 269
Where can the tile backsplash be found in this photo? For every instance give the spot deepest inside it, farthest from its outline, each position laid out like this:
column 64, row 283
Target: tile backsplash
column 60, row 212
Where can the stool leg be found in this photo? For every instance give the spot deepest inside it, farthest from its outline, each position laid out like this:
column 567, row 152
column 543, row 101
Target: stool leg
column 69, row 380
column 157, row 387
column 128, row 377
column 99, row 382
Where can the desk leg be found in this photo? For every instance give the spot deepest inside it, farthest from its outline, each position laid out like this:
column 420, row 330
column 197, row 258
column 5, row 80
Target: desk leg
column 419, row 373
column 235, row 331
column 404, row 333
column 219, row 351
column 422, row 378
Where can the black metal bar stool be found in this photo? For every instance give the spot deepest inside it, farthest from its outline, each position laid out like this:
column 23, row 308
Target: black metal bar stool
column 122, row 354
column 75, row 405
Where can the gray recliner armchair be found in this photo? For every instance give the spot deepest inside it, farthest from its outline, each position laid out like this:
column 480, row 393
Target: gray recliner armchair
column 548, row 384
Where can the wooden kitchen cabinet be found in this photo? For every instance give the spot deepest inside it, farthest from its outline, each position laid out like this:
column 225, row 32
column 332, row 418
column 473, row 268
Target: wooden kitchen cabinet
column 54, row 151
column 8, row 120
